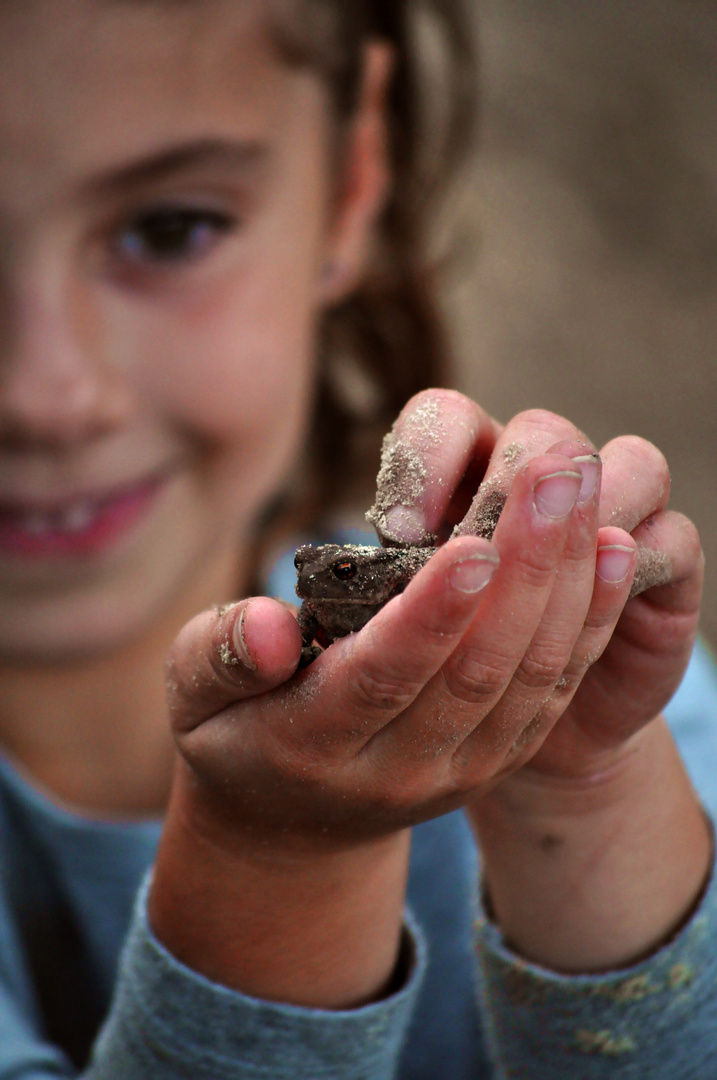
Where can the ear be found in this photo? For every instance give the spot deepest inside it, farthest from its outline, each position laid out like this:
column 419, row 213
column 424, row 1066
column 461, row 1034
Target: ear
column 363, row 183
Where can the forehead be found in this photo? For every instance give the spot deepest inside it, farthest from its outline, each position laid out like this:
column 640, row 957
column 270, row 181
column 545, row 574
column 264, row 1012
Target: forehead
column 117, row 77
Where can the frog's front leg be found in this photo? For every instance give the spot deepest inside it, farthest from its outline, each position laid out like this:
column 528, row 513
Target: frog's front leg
column 309, row 625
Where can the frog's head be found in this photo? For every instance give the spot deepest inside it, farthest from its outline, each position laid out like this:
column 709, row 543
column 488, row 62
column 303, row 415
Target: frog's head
column 351, row 573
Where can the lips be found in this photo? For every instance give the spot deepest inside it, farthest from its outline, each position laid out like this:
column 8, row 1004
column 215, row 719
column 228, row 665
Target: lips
column 76, row 527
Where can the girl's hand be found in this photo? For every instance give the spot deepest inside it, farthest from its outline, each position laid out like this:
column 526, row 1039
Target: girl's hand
column 596, row 849
column 293, row 798
column 403, row 721
column 628, row 658
column 283, row 861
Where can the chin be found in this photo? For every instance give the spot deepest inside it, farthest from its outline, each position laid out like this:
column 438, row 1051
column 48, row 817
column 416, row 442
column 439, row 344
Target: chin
column 74, row 631
column 82, row 624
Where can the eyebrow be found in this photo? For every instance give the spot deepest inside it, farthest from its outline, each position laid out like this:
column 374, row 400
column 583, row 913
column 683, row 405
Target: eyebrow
column 199, row 153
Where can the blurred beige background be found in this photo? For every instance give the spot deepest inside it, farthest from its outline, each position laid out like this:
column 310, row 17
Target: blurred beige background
column 595, row 288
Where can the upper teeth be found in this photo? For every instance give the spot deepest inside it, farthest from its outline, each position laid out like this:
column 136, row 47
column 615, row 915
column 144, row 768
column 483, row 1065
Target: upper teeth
column 76, row 517
column 72, row 518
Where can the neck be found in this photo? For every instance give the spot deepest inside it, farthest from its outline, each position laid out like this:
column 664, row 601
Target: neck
column 95, row 736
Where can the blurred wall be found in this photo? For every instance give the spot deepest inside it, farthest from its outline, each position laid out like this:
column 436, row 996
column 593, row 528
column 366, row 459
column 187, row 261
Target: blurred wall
column 594, row 293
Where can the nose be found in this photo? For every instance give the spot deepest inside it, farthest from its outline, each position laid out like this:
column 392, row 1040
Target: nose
column 55, row 388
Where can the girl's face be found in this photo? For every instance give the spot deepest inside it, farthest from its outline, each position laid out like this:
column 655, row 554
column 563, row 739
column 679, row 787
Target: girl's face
column 165, row 188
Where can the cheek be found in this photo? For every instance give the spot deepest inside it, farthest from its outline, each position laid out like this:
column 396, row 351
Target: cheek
column 233, row 357
column 228, row 351
column 233, row 378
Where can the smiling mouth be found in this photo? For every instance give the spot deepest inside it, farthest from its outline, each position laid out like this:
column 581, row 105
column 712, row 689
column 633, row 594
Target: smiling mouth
column 83, row 526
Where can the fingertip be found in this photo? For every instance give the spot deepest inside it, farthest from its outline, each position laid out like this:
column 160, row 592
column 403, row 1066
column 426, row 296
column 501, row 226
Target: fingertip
column 613, row 563
column 405, row 525
column 265, row 638
column 471, row 574
column 554, row 482
column 466, row 564
column 616, row 557
column 437, row 439
column 588, row 461
column 471, row 563
column 612, row 534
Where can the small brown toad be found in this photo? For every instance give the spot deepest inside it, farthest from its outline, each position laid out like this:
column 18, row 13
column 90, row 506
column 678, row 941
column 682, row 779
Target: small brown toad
column 343, row 586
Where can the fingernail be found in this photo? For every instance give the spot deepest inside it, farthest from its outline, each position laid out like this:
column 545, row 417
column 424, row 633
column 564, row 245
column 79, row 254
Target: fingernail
column 556, row 494
column 405, row 525
column 590, row 468
column 473, row 574
column 239, row 641
column 614, row 562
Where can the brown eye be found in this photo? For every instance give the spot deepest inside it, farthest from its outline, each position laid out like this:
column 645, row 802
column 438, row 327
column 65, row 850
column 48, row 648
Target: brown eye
column 344, row 571
column 171, row 234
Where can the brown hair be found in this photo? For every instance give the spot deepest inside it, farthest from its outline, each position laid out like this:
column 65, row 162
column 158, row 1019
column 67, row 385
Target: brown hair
column 389, row 333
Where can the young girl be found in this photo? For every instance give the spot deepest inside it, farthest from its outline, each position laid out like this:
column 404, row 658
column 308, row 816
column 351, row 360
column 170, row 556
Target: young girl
column 205, row 208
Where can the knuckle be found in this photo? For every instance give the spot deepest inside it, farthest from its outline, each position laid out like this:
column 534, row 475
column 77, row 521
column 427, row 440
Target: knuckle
column 381, row 691
column 433, row 629
column 602, row 618
column 535, row 567
column 586, row 653
column 539, row 670
column 430, row 625
column 570, row 679
column 477, row 677
column 578, row 557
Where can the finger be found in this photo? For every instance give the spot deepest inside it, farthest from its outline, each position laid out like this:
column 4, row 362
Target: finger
column 645, row 656
column 439, row 437
column 670, row 569
column 653, row 641
column 542, row 665
column 530, row 538
column 227, row 655
column 615, row 565
column 635, row 484
column 526, row 436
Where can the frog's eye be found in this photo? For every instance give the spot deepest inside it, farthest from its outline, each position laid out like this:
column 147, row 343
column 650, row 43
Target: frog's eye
column 298, row 563
column 344, row 571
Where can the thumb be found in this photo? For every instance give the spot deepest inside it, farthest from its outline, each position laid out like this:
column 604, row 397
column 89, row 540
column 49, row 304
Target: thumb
column 225, row 656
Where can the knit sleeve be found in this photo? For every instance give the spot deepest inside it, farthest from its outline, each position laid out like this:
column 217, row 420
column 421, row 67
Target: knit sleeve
column 657, row 1019
column 169, row 1022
